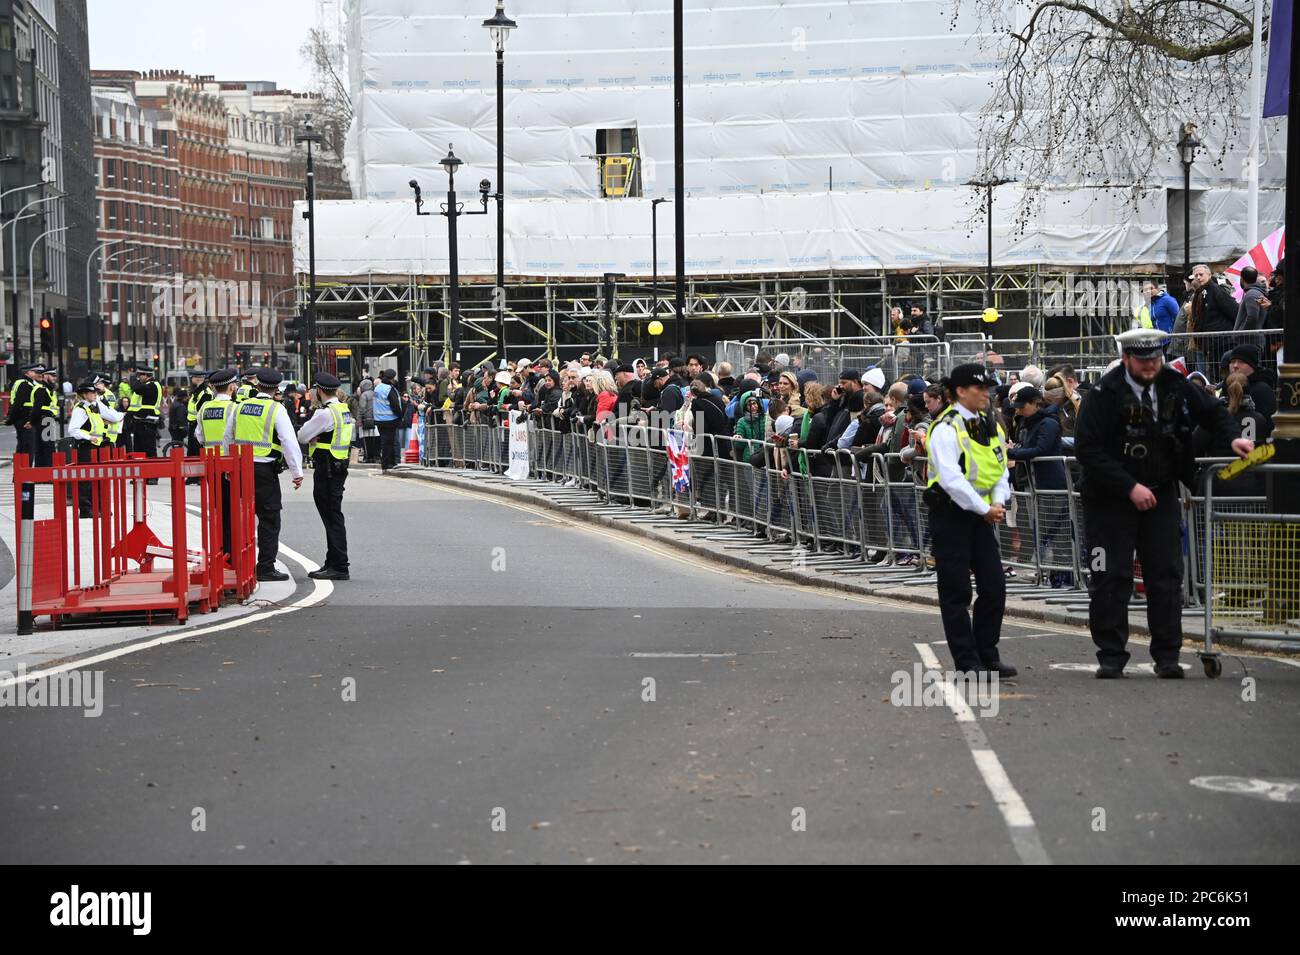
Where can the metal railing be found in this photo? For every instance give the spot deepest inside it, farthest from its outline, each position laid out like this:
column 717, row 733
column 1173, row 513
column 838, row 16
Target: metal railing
column 851, row 514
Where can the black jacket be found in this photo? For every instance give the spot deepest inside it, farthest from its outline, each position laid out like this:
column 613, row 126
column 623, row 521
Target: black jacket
column 1262, row 389
column 1099, row 435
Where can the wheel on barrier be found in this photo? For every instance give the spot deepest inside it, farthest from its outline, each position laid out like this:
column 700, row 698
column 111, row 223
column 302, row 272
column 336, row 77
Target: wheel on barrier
column 1213, row 665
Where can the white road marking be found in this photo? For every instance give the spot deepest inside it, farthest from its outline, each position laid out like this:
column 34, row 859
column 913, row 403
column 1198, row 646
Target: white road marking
column 1020, row 822
column 680, row 656
column 322, row 589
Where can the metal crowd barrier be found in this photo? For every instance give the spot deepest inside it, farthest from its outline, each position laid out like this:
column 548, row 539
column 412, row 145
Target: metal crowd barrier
column 815, row 508
column 1252, row 568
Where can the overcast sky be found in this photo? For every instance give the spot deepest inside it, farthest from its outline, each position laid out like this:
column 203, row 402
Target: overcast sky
column 232, row 39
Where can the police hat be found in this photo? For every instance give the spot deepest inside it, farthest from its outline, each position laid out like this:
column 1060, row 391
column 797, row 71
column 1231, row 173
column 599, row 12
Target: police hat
column 222, row 376
column 1250, row 354
column 145, row 372
column 327, row 381
column 1143, row 342
column 35, row 366
column 84, row 386
column 970, row 374
column 269, row 377
column 198, row 373
column 251, row 372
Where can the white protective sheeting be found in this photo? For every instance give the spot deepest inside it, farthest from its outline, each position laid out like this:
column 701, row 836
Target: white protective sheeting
column 812, row 232
column 879, row 96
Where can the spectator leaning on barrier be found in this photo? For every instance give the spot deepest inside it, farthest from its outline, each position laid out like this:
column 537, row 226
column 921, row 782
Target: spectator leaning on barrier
column 1254, row 427
column 1252, row 313
column 1261, row 382
column 1037, row 435
column 1213, row 310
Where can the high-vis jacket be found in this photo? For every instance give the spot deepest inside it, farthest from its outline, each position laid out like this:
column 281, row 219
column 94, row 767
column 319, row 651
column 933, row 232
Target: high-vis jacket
column 147, row 400
column 213, row 417
column 981, row 464
column 338, row 439
column 87, row 424
column 255, row 425
column 113, row 418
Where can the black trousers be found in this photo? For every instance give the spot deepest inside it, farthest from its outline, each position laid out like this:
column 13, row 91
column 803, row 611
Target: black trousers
column 328, row 479
column 85, row 489
column 387, row 443
column 1114, row 531
column 266, row 502
column 145, row 436
column 964, row 542
column 192, row 446
column 40, row 450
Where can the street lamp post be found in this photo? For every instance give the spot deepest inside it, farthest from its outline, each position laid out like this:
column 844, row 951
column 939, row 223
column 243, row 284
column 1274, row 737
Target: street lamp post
column 679, row 174
column 13, row 246
column 609, row 293
column 499, row 26
column 453, row 212
column 1187, row 146
column 31, row 293
column 310, row 136
column 988, row 185
column 3, row 195
column 654, row 257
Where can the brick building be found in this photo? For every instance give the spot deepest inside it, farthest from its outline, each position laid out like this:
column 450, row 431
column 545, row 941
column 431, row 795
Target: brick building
column 238, row 174
column 137, row 176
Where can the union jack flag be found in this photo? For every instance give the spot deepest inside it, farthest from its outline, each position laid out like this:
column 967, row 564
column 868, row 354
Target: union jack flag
column 680, row 459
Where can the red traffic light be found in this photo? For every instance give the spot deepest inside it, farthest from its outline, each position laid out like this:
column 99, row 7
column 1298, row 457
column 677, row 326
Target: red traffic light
column 46, row 324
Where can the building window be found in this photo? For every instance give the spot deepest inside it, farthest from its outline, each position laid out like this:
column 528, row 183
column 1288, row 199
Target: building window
column 110, row 173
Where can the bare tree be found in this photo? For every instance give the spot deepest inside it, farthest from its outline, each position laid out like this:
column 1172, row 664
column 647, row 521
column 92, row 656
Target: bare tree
column 325, row 57
column 1096, row 92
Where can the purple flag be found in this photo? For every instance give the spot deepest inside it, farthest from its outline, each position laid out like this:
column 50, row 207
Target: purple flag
column 1278, row 88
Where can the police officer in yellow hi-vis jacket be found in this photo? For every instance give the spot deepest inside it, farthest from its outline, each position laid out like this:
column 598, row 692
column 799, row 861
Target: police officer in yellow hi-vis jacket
column 263, row 423
column 328, row 433
column 87, row 427
column 215, row 418
column 967, row 495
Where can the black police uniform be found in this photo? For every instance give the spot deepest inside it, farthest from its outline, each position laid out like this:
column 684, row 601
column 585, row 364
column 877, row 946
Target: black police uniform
column 329, row 479
column 43, row 423
column 192, row 446
column 20, row 415
column 1120, row 442
column 144, row 423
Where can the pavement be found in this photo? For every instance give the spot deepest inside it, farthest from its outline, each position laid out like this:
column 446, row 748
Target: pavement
column 505, row 682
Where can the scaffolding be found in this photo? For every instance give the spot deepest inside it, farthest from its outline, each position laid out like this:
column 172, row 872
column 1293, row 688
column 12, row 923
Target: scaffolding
column 409, row 316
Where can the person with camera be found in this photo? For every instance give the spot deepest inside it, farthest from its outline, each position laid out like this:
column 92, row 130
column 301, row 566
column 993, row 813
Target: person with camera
column 967, row 493
column 328, row 436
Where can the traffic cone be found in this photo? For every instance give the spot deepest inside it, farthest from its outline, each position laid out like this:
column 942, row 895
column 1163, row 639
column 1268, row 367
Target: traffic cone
column 412, row 454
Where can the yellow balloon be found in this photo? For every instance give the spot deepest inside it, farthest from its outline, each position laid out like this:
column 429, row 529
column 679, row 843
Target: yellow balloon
column 990, row 315
column 656, row 327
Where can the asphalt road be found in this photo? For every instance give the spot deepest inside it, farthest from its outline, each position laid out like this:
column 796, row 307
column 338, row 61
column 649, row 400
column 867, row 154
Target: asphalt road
column 498, row 658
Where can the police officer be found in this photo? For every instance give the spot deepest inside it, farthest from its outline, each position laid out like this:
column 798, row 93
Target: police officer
column 967, row 495
column 1133, row 441
column 143, row 414
column 43, row 415
column 108, row 410
column 200, row 394
column 216, row 420
column 20, row 408
column 263, row 423
column 248, row 387
column 328, row 433
column 88, row 428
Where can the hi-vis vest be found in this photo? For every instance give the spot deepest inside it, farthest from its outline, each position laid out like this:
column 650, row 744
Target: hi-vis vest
column 212, row 420
column 197, row 400
column 340, row 445
column 255, row 426
column 1142, row 316
column 137, row 402
column 112, row 429
column 95, row 423
column 49, row 403
column 243, row 393
column 982, row 464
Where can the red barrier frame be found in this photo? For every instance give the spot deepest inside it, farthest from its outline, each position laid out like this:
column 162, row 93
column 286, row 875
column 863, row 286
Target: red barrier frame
column 52, row 579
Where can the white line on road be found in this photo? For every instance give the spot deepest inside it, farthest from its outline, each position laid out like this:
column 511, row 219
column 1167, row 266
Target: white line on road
column 680, row 656
column 1024, row 833
column 321, row 590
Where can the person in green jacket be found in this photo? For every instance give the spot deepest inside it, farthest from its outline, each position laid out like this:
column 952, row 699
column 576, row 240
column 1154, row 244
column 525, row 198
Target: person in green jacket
column 751, row 427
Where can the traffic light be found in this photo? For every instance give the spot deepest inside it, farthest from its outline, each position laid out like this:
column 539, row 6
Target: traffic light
column 241, row 358
column 295, row 335
column 47, row 334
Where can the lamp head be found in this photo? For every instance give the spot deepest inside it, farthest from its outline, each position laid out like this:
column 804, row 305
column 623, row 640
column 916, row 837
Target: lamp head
column 449, row 162
column 499, row 26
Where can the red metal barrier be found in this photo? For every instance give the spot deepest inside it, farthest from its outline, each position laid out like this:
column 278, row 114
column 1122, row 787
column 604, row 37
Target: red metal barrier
column 114, row 570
